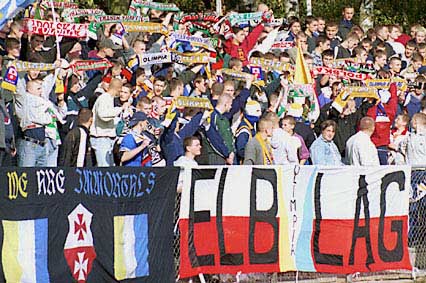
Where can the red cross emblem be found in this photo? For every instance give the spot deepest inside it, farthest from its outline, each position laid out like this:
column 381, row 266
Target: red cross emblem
column 80, row 267
column 80, row 227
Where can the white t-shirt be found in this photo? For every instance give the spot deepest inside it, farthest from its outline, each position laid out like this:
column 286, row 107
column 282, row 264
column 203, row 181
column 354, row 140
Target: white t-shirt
column 360, row 151
column 414, row 147
column 183, row 162
column 284, row 147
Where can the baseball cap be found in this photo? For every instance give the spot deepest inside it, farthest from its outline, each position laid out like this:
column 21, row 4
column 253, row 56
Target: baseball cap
column 108, row 43
column 137, row 117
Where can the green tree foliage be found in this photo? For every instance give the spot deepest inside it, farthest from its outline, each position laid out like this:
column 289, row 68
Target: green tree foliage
column 403, row 12
column 189, row 5
column 400, row 11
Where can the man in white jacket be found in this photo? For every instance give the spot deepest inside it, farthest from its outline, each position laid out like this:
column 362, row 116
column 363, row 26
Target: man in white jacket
column 34, row 115
column 102, row 131
column 360, row 150
column 56, row 110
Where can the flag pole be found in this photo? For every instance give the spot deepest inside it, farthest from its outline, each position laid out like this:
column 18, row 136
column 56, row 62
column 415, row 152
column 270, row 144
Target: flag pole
column 58, row 49
column 219, row 7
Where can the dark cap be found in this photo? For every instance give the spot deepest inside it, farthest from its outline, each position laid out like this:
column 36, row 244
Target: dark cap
column 137, row 117
column 108, row 43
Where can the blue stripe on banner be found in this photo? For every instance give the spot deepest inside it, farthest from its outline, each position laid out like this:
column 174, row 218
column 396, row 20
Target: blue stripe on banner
column 303, row 248
column 40, row 231
column 141, row 244
column 10, row 9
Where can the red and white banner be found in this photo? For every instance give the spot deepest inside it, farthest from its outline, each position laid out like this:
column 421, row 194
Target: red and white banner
column 86, row 65
column 55, row 28
column 340, row 73
column 58, row 5
column 283, row 45
column 282, row 218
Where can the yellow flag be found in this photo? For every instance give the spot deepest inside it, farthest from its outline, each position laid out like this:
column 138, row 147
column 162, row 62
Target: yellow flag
column 302, row 75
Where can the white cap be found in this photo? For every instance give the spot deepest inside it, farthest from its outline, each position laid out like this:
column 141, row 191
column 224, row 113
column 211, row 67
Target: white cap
column 253, row 108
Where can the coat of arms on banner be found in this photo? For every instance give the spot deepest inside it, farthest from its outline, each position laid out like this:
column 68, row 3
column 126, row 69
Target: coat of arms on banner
column 79, row 250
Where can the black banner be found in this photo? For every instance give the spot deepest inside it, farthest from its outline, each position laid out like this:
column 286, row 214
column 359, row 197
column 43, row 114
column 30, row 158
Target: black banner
column 87, row 225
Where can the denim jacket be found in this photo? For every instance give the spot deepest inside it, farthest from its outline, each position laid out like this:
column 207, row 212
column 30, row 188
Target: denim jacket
column 325, row 153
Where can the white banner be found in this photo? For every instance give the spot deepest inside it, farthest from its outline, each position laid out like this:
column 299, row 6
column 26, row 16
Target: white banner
column 55, row 28
column 155, row 58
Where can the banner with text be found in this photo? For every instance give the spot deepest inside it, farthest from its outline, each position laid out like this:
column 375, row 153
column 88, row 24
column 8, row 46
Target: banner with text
column 87, row 225
column 55, row 28
column 277, row 219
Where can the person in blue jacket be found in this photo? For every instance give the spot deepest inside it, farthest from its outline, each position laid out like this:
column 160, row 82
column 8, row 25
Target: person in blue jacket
column 179, row 129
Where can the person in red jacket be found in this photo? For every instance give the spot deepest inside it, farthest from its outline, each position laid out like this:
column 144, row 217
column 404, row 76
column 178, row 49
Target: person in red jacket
column 240, row 44
column 384, row 113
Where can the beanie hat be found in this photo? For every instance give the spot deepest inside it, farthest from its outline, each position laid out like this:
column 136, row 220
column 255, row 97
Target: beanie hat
column 253, row 108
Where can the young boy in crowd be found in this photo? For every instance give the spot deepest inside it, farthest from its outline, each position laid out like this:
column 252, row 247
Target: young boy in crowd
column 322, row 45
column 288, row 123
column 413, row 100
column 346, row 23
column 411, row 72
column 361, row 55
column 413, row 147
column 325, row 81
column 331, row 33
column 344, row 50
column 397, row 134
column 379, row 60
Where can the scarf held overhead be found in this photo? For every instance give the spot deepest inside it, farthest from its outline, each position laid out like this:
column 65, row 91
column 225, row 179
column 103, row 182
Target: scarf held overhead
column 155, row 6
column 86, row 65
column 340, row 73
column 55, row 28
column 71, row 14
column 145, row 27
column 23, row 66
